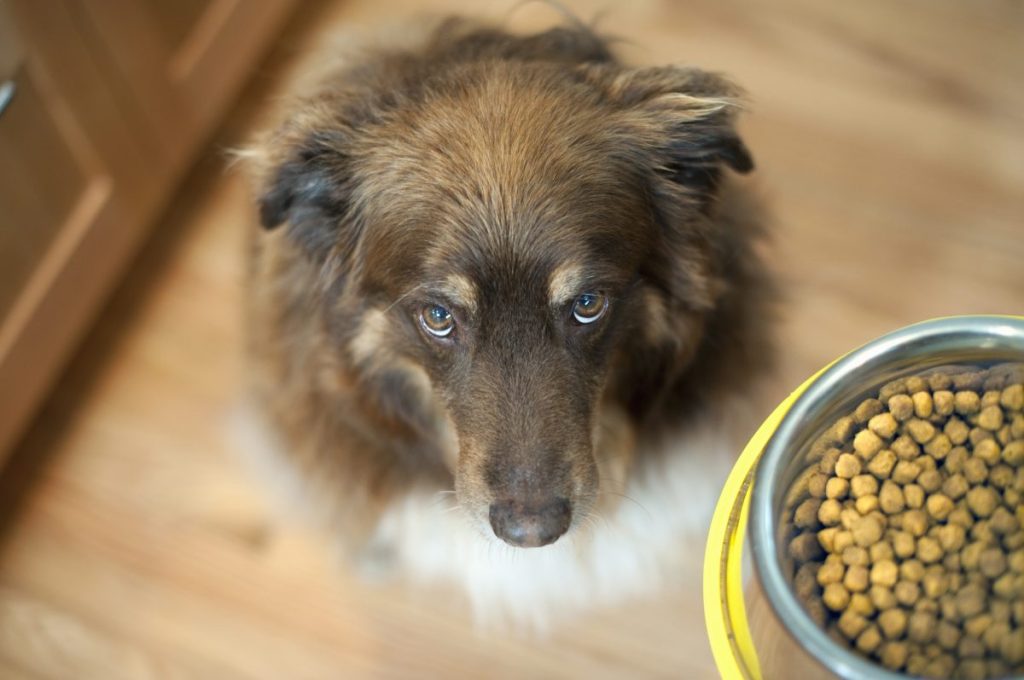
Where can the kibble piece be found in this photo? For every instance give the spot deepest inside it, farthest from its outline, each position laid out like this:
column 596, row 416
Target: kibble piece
column 954, row 462
column 905, row 472
column 866, row 443
column 806, row 514
column 856, row 556
column 956, row 430
column 884, row 425
column 805, row 583
column 939, row 447
column 1011, row 648
column 901, row 407
column 915, row 383
column 940, row 667
column 975, row 470
column 992, row 562
column 837, row 487
column 929, row 550
column 912, row 570
column 1017, row 427
column 890, row 498
column 939, row 506
column 982, row 532
column 835, row 597
column 922, row 404
column 970, row 647
column 942, row 400
column 930, row 480
column 860, row 603
column 866, row 410
column 903, row 544
column 881, row 597
column 921, row 430
column 1015, row 560
column 866, row 504
column 989, row 398
column 947, row 635
column 971, row 669
column 882, row 464
column 848, row 466
column 863, row 485
column 915, row 522
column 1012, row 398
column 893, row 655
column 966, row 402
column 977, row 625
column 1001, row 476
column 856, row 579
column 826, row 538
column 848, row 516
column 842, row 429
column 970, row 601
column 880, row 552
column 955, row 486
column 805, row 548
column 916, row 663
column 842, row 539
column 866, row 530
column 869, row 640
column 905, row 448
column 970, row 556
column 993, row 635
column 831, row 571
column 982, row 501
column 1005, row 587
column 893, row 623
column 935, row 585
column 829, row 512
column 978, row 435
column 913, row 494
column 952, row 537
column 988, row 451
column 851, row 624
column 906, row 592
column 991, row 418
column 1013, row 453
column 921, row 627
column 827, row 464
column 884, row 573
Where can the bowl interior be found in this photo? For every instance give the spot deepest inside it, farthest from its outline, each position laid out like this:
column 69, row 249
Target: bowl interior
column 949, row 345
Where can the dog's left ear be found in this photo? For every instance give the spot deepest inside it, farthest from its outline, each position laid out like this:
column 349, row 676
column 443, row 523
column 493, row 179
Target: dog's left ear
column 682, row 121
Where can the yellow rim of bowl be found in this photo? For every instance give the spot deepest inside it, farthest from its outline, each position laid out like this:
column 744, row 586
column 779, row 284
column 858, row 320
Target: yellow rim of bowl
column 725, row 613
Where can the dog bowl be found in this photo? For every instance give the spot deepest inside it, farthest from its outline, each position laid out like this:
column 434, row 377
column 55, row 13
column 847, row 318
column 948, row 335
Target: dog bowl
column 779, row 639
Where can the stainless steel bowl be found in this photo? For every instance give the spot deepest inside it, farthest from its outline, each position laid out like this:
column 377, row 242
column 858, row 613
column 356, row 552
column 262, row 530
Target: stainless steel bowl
column 977, row 340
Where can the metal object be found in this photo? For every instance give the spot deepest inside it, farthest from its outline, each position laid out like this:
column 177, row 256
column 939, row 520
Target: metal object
column 976, row 340
column 7, row 90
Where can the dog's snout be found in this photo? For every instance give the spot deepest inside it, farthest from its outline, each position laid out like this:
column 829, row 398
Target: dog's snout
column 530, row 525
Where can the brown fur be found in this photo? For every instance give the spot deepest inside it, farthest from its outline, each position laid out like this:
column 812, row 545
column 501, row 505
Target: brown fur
column 472, row 170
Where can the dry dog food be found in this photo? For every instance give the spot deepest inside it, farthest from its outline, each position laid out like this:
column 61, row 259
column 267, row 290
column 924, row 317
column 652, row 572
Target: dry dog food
column 906, row 530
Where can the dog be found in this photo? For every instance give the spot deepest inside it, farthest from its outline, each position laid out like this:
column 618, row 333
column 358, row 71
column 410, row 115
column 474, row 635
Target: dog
column 504, row 309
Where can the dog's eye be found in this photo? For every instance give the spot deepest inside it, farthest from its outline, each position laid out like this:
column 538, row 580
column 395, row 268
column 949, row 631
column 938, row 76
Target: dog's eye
column 437, row 320
column 589, row 307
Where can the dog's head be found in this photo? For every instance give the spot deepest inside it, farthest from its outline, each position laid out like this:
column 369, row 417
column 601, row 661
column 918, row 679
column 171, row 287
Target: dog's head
column 535, row 238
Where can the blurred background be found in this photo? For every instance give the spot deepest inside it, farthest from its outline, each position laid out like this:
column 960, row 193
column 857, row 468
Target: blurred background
column 134, row 543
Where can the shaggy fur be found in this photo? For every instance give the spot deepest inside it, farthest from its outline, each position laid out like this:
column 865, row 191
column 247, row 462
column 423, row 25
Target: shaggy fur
column 501, row 177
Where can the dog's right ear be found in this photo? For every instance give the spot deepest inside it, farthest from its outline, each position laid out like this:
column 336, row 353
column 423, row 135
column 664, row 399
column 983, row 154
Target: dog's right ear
column 309, row 189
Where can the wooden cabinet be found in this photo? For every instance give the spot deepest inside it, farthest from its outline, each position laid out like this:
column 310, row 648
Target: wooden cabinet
column 107, row 101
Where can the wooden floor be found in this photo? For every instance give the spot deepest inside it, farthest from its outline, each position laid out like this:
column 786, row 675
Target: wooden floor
column 134, row 544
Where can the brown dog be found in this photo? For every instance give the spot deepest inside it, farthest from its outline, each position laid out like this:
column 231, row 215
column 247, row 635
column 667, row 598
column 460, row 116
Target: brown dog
column 515, row 268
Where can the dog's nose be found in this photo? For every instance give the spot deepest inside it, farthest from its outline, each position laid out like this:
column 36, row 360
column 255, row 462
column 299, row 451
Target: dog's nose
column 530, row 525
